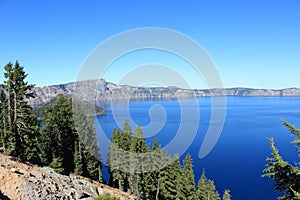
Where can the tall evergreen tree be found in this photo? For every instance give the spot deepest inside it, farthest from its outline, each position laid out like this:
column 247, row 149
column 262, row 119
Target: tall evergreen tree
column 114, row 161
column 119, row 157
column 117, row 160
column 59, row 135
column 161, row 169
column 68, row 147
column 179, row 181
column 3, row 120
column 207, row 189
column 226, row 195
column 78, row 160
column 138, row 148
column 88, row 150
column 172, row 180
column 126, row 136
column 152, row 173
column 19, row 123
column 285, row 175
column 124, row 155
column 158, row 161
column 189, row 189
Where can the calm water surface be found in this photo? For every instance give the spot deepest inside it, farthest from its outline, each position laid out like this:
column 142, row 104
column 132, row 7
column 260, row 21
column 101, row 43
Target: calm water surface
column 237, row 160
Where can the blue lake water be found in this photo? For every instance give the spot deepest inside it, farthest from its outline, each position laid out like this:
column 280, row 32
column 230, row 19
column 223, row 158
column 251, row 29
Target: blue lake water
column 237, row 160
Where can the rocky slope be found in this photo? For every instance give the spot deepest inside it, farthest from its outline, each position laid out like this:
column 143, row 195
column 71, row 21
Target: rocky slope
column 100, row 90
column 29, row 182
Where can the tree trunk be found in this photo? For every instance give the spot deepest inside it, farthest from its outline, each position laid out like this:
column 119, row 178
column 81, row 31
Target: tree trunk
column 15, row 129
column 15, row 115
column 79, row 151
column 131, row 176
column 119, row 182
column 4, row 135
column 15, row 109
column 157, row 191
column 137, row 187
column 10, row 131
column 8, row 108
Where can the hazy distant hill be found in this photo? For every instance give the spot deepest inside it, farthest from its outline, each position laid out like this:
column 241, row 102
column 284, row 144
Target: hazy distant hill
column 100, row 90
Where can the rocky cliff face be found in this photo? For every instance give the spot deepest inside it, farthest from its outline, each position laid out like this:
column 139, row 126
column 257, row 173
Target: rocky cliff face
column 100, row 90
column 29, row 182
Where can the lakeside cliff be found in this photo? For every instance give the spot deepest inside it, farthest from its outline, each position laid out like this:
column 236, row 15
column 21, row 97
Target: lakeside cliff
column 102, row 91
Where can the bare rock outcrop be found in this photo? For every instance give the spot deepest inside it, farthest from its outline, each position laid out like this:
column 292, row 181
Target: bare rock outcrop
column 29, row 182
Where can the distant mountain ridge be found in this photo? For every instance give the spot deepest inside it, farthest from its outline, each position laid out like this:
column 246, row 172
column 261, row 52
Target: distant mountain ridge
column 102, row 91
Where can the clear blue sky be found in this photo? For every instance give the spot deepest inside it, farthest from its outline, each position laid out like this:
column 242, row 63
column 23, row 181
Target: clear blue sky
column 254, row 43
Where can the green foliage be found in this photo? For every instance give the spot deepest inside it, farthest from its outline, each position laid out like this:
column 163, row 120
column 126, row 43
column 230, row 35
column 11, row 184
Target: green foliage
column 78, row 159
column 285, row 175
column 88, row 148
column 19, row 126
column 152, row 173
column 226, row 195
column 119, row 157
column 106, row 196
column 3, row 122
column 116, row 159
column 89, row 108
column 138, row 147
column 57, row 164
column 69, row 136
column 59, row 134
column 160, row 170
column 174, row 180
column 296, row 133
column 39, row 109
column 189, row 189
column 67, row 143
column 207, row 189
column 94, row 168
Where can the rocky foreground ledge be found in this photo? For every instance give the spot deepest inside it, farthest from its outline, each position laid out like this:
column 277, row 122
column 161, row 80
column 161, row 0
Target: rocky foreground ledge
column 102, row 91
column 30, row 182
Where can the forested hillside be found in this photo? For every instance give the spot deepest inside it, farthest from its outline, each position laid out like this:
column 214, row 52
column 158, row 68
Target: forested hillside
column 67, row 143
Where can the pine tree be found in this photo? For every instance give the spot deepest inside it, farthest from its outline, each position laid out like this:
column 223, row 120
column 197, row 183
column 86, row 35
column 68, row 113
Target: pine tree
column 119, row 157
column 57, row 164
column 149, row 185
column 115, row 161
column 138, row 148
column 112, row 158
column 68, row 139
column 78, row 159
column 179, row 178
column 3, row 120
column 59, row 134
column 207, row 189
column 152, row 173
column 172, row 180
column 226, row 195
column 88, row 148
column 147, row 181
column 152, row 176
column 295, row 132
column 19, row 123
column 94, row 168
column 160, row 168
column 285, row 175
column 124, row 155
column 189, row 189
